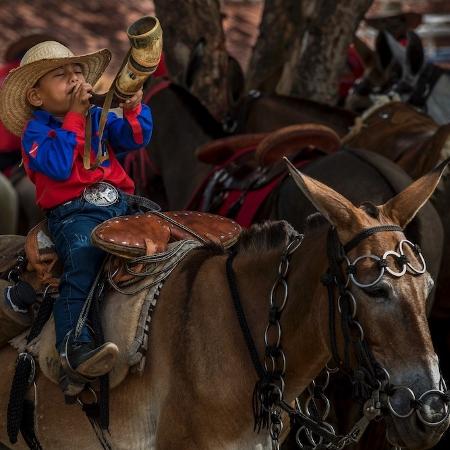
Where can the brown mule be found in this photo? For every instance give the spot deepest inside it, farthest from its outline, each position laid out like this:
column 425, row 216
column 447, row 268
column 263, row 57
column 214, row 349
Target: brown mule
column 196, row 391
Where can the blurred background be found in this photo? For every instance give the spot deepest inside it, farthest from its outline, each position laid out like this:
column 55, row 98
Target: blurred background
column 87, row 25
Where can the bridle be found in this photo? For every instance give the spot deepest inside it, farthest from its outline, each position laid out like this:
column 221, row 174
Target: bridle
column 371, row 382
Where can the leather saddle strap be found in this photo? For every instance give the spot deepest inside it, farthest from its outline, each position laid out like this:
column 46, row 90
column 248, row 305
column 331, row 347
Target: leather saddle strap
column 141, row 203
column 101, row 126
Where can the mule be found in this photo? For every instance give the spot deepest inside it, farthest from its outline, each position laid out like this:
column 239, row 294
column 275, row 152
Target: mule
column 196, row 391
column 405, row 73
column 416, row 142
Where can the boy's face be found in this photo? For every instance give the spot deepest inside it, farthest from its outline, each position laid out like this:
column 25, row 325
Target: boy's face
column 53, row 92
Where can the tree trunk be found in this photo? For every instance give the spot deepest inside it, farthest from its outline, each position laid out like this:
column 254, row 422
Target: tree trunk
column 281, row 24
column 320, row 59
column 194, row 48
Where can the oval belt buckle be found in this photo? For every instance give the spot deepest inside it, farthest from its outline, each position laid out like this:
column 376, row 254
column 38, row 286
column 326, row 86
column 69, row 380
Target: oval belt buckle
column 101, row 194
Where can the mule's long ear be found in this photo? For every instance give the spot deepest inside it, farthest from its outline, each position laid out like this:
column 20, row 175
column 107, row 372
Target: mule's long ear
column 415, row 57
column 388, row 49
column 335, row 207
column 405, row 205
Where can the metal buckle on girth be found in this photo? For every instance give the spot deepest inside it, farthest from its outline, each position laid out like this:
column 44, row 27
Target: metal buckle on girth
column 101, row 194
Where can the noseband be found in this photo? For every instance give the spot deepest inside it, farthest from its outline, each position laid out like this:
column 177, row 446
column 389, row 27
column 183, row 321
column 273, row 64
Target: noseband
column 370, row 380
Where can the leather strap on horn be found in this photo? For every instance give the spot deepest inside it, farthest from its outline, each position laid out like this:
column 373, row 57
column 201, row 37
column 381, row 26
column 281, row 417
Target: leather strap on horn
column 220, row 150
column 100, row 158
column 291, row 139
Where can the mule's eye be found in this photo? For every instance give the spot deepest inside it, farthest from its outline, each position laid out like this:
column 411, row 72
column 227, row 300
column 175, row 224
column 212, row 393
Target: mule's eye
column 379, row 290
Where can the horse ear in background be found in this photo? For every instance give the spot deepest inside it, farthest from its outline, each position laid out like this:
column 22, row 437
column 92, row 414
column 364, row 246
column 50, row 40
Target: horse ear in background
column 415, row 56
column 389, row 51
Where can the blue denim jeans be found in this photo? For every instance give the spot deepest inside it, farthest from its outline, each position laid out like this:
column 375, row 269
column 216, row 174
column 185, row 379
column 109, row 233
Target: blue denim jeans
column 70, row 225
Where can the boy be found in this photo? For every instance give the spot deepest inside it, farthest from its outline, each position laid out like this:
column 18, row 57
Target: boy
column 46, row 100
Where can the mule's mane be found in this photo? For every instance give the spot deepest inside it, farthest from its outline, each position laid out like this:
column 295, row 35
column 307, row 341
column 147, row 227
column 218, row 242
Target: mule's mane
column 270, row 235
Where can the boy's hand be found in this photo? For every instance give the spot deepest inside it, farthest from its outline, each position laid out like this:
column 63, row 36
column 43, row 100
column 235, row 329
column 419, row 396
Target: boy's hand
column 132, row 102
column 80, row 98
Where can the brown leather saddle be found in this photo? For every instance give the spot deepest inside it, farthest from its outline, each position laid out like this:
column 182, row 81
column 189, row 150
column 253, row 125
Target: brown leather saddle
column 269, row 148
column 128, row 237
column 250, row 162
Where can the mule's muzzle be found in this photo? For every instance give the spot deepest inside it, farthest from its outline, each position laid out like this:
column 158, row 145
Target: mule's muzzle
column 416, row 422
column 431, row 408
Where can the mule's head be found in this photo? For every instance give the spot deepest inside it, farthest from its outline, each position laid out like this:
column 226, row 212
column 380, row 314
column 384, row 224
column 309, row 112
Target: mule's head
column 383, row 68
column 386, row 277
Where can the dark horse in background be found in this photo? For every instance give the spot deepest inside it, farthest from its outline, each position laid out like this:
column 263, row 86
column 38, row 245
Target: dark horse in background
column 182, row 124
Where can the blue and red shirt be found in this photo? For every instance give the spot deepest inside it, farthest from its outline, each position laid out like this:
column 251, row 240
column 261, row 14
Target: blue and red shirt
column 53, row 152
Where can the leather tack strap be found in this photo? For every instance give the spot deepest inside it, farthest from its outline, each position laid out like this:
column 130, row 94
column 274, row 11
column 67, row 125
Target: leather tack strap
column 100, row 158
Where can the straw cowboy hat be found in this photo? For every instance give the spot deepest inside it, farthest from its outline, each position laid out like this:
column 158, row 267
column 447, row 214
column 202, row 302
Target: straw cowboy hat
column 393, row 11
column 15, row 111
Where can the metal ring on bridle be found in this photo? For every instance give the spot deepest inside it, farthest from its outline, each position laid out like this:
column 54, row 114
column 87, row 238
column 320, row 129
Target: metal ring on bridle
column 324, row 399
column 360, row 329
column 372, row 283
column 266, row 334
column 353, row 303
column 391, row 408
column 444, row 402
column 391, row 271
column 294, row 244
column 280, row 282
column 417, row 253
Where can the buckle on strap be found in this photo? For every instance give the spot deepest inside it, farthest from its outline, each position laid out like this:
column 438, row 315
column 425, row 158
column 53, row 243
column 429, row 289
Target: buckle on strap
column 101, row 194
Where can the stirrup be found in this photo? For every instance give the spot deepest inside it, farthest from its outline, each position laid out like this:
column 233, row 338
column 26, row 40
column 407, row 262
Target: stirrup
column 99, row 363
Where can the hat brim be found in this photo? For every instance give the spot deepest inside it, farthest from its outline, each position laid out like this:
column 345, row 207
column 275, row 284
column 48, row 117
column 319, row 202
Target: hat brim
column 15, row 111
column 411, row 19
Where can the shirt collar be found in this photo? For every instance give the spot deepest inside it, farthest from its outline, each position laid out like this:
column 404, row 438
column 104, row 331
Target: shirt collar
column 45, row 117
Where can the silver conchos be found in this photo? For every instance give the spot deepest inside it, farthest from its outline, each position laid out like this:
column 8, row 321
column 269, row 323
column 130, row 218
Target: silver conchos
column 101, row 194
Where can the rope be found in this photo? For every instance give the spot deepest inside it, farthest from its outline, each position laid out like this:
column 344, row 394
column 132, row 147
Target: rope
column 241, row 317
column 20, row 414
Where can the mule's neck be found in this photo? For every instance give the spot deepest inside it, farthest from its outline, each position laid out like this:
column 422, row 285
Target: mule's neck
column 304, row 321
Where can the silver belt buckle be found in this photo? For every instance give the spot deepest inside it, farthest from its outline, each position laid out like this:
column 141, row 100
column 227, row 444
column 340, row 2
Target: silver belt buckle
column 101, row 194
